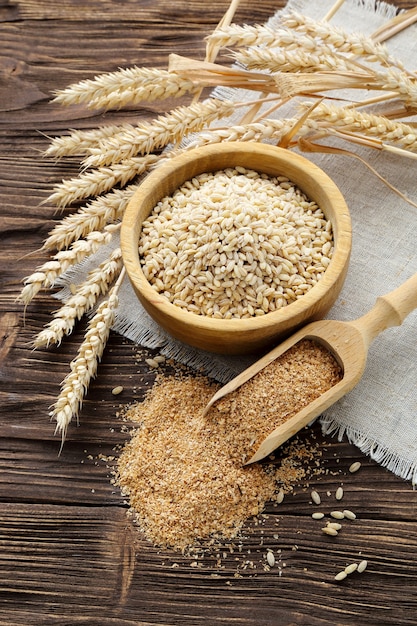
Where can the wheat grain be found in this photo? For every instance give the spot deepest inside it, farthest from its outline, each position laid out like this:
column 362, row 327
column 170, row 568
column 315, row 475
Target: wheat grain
column 270, row 557
column 152, row 363
column 133, row 85
column 349, row 569
column 84, row 367
column 334, row 525
column 234, row 244
column 315, row 496
column 280, row 497
column 99, row 181
column 82, row 301
column 95, row 215
column 149, row 137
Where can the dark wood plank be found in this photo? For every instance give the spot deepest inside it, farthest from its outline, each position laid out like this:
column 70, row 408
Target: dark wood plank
column 69, row 552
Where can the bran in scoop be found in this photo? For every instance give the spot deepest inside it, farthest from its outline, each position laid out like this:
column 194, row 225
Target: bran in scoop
column 184, row 474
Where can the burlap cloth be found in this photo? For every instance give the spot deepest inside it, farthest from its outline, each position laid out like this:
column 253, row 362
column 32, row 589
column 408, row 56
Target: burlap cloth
column 380, row 414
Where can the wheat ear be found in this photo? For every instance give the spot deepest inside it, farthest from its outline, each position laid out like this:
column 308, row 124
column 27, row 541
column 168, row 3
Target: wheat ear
column 99, row 181
column 141, row 83
column 244, row 36
column 84, row 367
column 395, row 80
column 83, row 300
column 369, row 124
column 78, row 142
column 149, row 137
column 282, row 60
column 47, row 274
column 257, row 131
column 353, row 43
column 95, row 215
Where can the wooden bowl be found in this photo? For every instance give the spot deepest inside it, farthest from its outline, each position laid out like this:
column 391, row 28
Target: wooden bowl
column 238, row 336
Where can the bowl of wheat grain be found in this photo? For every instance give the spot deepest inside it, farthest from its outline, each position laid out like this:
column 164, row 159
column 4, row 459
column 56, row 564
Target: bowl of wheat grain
column 231, row 247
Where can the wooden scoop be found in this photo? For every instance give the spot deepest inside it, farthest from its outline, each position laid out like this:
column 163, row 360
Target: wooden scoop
column 347, row 341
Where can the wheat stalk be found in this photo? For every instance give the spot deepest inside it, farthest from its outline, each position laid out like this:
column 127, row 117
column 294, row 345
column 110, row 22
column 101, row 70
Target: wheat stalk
column 206, row 74
column 397, row 83
column 82, row 301
column 149, row 137
column 303, row 83
column 84, row 367
column 395, row 25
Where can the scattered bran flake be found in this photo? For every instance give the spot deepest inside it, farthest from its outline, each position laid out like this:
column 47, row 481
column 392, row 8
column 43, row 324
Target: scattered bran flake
column 185, row 475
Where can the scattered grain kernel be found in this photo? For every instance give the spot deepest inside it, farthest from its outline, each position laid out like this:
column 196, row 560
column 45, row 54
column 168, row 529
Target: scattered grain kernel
column 337, row 514
column 330, row 531
column 315, row 496
column 339, row 493
column 116, row 390
column 270, row 558
column 280, row 497
column 362, row 566
column 317, row 515
column 152, row 362
column 351, row 568
column 349, row 514
column 355, row 467
column 341, row 575
column 334, row 525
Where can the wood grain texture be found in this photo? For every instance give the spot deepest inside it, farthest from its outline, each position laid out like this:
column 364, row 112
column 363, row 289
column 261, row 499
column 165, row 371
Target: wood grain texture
column 69, row 553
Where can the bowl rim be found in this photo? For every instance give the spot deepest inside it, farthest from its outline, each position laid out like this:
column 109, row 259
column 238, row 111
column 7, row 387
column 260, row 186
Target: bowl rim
column 188, row 161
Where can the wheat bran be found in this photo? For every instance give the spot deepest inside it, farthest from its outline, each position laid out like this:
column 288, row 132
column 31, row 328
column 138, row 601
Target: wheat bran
column 184, row 474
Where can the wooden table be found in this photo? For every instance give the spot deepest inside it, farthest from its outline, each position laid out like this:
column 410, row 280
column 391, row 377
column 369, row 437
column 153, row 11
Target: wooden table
column 68, row 552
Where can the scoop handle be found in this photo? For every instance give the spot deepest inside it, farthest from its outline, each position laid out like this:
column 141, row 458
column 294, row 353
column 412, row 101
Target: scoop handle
column 389, row 310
